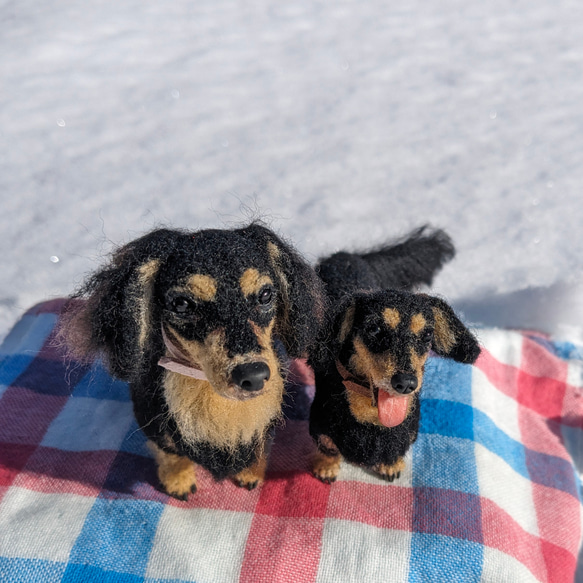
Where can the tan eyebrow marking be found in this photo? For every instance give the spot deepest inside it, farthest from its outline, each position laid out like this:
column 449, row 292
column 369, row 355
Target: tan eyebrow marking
column 418, row 322
column 252, row 281
column 392, row 317
column 204, row 287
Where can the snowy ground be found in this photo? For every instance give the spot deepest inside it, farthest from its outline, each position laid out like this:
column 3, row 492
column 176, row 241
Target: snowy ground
column 342, row 123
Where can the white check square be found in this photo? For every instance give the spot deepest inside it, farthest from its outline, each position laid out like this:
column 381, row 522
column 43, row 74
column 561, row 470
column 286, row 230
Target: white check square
column 505, row 346
column 41, row 526
column 506, row 488
column 499, row 566
column 501, row 409
column 359, row 552
column 199, row 544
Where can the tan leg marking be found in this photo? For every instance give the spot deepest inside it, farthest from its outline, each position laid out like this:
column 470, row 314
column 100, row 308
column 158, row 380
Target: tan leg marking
column 390, row 473
column 326, row 467
column 176, row 473
column 252, row 476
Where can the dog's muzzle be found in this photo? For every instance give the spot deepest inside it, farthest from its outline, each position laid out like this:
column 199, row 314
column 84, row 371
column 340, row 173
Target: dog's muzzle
column 250, row 376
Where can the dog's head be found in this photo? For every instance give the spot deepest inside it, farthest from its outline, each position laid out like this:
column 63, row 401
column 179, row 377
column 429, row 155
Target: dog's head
column 380, row 342
column 214, row 300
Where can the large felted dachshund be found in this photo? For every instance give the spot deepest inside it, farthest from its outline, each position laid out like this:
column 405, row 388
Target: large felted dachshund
column 369, row 364
column 192, row 321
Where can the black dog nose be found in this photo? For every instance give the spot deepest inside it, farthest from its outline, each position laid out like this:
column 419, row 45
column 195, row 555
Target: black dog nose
column 251, row 376
column 404, row 383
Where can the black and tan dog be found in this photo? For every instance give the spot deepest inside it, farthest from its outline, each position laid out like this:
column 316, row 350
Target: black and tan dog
column 369, row 366
column 192, row 321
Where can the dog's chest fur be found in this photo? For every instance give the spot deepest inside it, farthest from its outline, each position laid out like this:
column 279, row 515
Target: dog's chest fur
column 221, row 453
column 204, row 416
column 362, row 443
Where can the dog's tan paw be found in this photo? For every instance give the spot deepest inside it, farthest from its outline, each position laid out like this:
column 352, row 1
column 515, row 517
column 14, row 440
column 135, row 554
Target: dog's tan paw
column 180, row 482
column 177, row 474
column 252, row 476
column 326, row 468
column 246, row 479
column 390, row 473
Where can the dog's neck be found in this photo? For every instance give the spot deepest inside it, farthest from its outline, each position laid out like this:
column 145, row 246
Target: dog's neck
column 352, row 383
column 176, row 361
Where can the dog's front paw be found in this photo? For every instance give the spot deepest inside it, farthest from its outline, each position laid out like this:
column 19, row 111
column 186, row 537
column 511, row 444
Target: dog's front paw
column 252, row 476
column 389, row 473
column 179, row 480
column 249, row 478
column 250, row 484
column 177, row 474
column 178, row 492
column 326, row 468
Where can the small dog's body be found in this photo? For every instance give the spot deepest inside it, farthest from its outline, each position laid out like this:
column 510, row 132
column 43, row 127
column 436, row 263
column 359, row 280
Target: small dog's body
column 369, row 366
column 195, row 322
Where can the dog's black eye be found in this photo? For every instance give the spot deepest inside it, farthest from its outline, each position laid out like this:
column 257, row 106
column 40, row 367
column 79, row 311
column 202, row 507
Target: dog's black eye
column 427, row 337
column 265, row 296
column 373, row 330
column 181, row 305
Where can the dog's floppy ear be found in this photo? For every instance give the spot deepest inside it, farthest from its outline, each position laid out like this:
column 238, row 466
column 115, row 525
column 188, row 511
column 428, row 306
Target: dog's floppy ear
column 302, row 307
column 451, row 338
column 116, row 317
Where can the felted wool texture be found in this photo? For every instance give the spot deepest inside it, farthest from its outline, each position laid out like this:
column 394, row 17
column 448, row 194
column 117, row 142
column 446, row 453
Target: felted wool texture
column 377, row 333
column 366, row 443
column 129, row 300
column 402, row 264
column 360, row 443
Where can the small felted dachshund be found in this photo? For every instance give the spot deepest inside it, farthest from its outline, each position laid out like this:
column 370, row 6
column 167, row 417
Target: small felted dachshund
column 369, row 366
column 192, row 322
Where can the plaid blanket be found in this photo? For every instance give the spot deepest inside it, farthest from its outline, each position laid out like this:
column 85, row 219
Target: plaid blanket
column 491, row 490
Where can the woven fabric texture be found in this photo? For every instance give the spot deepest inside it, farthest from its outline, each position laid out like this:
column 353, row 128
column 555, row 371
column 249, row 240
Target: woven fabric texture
column 491, row 490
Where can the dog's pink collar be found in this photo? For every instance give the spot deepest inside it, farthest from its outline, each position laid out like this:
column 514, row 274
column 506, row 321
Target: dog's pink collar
column 353, row 384
column 177, row 360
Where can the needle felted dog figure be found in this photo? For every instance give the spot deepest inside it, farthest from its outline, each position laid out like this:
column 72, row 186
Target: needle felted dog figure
column 191, row 321
column 369, row 367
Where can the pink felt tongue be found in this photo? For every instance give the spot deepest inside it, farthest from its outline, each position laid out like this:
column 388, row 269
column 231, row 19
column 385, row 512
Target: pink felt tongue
column 392, row 410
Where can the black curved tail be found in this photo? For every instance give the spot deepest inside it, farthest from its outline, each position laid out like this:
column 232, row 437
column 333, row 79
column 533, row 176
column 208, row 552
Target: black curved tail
column 413, row 260
column 403, row 264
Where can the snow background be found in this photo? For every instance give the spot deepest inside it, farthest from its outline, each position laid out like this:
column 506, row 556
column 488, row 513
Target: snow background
column 342, row 124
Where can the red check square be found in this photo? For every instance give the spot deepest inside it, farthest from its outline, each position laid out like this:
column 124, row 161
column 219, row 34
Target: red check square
column 297, row 495
column 282, row 549
column 383, row 506
column 543, row 395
